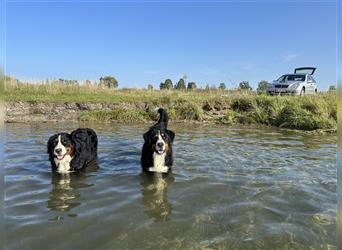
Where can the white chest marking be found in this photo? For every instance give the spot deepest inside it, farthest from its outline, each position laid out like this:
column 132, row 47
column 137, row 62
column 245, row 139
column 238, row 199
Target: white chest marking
column 63, row 166
column 159, row 163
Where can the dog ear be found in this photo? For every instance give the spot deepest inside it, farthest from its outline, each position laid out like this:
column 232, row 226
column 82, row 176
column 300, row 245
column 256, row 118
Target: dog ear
column 78, row 157
column 171, row 134
column 50, row 143
column 147, row 136
column 76, row 144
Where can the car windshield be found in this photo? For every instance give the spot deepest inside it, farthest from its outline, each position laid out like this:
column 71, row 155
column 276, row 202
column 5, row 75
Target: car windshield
column 292, row 78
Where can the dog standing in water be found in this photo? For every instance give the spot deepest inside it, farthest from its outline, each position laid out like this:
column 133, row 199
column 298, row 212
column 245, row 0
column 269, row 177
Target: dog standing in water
column 71, row 152
column 157, row 149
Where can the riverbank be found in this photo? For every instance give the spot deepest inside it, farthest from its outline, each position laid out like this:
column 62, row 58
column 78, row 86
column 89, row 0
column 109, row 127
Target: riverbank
column 45, row 103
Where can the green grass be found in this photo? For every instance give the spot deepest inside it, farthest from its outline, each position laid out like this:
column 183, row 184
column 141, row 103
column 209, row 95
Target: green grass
column 93, row 94
column 224, row 107
column 119, row 115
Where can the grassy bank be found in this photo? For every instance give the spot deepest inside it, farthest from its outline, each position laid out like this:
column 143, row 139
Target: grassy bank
column 224, row 107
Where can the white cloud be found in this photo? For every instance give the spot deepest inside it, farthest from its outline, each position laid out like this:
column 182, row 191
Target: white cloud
column 289, row 56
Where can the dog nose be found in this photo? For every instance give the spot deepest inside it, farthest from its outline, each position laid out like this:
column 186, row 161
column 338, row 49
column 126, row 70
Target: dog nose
column 160, row 144
column 58, row 150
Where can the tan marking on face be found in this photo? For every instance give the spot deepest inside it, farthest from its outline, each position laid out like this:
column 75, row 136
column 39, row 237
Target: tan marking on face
column 166, row 147
column 69, row 150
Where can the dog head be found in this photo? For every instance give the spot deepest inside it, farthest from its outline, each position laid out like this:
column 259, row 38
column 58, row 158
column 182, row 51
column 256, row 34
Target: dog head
column 60, row 145
column 159, row 138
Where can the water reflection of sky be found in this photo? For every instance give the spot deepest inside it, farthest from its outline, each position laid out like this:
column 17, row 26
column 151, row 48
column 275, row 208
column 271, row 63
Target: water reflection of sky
column 230, row 188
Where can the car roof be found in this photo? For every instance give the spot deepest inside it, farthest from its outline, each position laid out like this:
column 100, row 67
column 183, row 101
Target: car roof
column 295, row 74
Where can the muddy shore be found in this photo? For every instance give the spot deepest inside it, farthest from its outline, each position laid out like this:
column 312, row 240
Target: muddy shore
column 22, row 112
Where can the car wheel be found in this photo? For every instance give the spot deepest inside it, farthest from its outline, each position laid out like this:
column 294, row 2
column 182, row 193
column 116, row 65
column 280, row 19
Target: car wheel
column 302, row 92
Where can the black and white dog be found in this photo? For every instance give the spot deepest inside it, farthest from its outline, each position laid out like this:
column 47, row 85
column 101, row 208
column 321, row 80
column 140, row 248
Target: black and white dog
column 157, row 149
column 71, row 152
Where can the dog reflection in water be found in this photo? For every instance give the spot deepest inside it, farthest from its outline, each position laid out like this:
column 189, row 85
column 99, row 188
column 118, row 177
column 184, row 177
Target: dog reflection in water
column 65, row 193
column 154, row 195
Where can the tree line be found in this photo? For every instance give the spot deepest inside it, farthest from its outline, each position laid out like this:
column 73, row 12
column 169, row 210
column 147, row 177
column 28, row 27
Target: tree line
column 112, row 82
column 181, row 85
column 106, row 81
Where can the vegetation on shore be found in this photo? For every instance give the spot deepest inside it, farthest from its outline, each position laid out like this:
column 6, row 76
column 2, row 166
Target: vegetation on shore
column 221, row 106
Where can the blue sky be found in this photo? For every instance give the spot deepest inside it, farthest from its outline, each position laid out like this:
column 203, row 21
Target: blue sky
column 146, row 43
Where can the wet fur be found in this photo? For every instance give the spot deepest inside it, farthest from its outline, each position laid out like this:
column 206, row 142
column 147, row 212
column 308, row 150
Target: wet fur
column 150, row 159
column 81, row 148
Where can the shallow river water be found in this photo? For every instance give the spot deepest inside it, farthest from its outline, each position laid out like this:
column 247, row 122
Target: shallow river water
column 230, row 189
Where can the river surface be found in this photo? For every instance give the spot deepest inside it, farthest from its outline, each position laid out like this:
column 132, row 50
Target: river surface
column 230, row 189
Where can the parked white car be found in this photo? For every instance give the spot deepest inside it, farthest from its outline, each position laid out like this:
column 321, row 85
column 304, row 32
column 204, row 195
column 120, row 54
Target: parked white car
column 299, row 83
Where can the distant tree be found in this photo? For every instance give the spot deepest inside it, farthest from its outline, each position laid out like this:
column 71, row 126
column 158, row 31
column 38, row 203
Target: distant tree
column 262, row 86
column 191, row 86
column 332, row 88
column 87, row 83
column 162, row 86
column 109, row 81
column 180, row 84
column 166, row 85
column 68, row 82
column 62, row 81
column 207, row 87
column 222, row 86
column 150, row 87
column 245, row 85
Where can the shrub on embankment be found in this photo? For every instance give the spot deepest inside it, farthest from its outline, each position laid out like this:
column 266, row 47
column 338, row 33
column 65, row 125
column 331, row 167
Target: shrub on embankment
column 306, row 113
column 225, row 107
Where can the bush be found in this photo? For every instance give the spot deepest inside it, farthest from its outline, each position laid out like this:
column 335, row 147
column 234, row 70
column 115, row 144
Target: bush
column 188, row 111
column 296, row 117
column 242, row 104
column 118, row 115
column 229, row 118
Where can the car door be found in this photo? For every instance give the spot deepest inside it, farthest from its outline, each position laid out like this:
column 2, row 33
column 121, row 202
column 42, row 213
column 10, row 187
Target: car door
column 314, row 85
column 310, row 85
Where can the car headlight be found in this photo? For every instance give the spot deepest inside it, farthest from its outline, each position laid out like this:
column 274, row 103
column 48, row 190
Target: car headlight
column 294, row 86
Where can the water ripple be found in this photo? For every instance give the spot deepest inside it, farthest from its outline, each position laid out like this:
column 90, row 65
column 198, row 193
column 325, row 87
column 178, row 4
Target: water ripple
column 230, row 189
